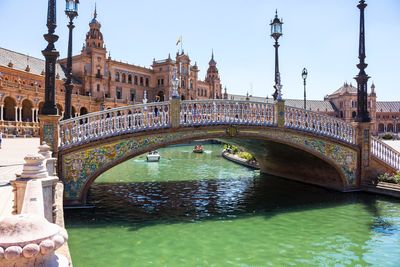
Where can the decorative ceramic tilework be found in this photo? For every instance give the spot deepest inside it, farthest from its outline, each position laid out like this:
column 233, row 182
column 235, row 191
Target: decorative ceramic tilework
column 48, row 135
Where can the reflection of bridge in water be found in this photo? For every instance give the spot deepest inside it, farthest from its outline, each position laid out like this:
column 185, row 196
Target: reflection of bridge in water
column 288, row 142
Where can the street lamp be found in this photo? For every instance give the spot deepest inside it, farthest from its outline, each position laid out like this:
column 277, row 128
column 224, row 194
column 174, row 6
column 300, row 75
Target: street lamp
column 276, row 32
column 304, row 76
column 51, row 54
column 362, row 77
column 71, row 10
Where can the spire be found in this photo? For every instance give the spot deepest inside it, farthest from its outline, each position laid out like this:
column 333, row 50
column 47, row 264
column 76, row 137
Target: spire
column 95, row 11
column 212, row 61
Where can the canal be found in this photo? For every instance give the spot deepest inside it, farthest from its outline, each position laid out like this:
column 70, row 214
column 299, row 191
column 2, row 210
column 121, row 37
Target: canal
column 201, row 210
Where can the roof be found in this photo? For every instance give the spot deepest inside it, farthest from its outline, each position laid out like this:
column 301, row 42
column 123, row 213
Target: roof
column 313, row 105
column 346, row 88
column 20, row 62
column 387, row 106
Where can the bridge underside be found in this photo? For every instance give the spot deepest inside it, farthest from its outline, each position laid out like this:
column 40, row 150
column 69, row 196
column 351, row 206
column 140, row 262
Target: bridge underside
column 282, row 152
column 289, row 162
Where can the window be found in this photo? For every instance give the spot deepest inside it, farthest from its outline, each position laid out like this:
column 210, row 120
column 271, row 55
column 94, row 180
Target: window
column 141, row 81
column 119, row 93
column 162, row 82
column 354, row 114
column 98, row 88
column 98, row 73
column 183, row 83
column 130, row 79
column 123, row 77
column 135, row 82
column 147, row 82
column 117, row 76
column 132, row 95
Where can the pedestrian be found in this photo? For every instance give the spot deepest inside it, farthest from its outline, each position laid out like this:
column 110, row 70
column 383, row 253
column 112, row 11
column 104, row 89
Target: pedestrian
column 1, row 138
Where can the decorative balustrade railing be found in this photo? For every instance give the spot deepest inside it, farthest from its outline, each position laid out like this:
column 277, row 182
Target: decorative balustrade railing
column 313, row 122
column 129, row 119
column 220, row 111
column 135, row 118
column 385, row 153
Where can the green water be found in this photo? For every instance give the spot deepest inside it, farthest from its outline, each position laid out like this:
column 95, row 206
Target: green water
column 201, row 210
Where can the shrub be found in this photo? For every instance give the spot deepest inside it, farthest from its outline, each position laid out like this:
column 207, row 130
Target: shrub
column 245, row 155
column 387, row 137
column 389, row 178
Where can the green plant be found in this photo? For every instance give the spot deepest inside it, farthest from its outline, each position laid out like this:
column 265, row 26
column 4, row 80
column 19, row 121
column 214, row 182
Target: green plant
column 246, row 155
column 389, row 178
column 387, row 137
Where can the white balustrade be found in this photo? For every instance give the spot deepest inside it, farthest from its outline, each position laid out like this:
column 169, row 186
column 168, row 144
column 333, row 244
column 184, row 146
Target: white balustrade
column 385, row 153
column 151, row 116
column 219, row 111
column 308, row 121
column 111, row 122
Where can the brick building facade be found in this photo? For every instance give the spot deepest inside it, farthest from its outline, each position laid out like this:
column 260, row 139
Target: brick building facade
column 100, row 82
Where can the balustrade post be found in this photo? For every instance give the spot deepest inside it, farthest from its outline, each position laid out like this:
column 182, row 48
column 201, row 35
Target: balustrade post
column 363, row 141
column 175, row 112
column 279, row 116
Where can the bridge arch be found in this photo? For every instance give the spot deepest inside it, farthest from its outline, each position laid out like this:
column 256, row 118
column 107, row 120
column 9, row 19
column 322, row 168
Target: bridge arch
column 333, row 163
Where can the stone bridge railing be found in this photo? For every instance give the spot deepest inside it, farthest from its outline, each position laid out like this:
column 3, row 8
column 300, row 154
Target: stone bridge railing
column 305, row 120
column 175, row 113
column 385, row 153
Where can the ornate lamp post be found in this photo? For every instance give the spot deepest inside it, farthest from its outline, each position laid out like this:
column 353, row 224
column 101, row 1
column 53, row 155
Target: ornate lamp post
column 304, row 74
column 71, row 10
column 276, row 32
column 175, row 85
column 51, row 54
column 362, row 77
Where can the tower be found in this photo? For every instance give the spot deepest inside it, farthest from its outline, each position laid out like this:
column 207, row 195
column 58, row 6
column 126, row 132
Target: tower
column 95, row 70
column 213, row 79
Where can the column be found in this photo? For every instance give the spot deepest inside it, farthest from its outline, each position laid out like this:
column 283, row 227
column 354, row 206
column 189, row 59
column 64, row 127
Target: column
column 1, row 112
column 33, row 115
column 37, row 115
column 20, row 114
column 16, row 113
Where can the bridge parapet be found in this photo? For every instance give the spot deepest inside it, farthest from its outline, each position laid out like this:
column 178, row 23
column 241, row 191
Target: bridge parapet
column 385, row 153
column 116, row 121
column 153, row 116
column 309, row 121
column 220, row 111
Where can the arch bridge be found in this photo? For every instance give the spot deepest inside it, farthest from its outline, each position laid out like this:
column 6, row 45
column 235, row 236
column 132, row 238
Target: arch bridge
column 288, row 142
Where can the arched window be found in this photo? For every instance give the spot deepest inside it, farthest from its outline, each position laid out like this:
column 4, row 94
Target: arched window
column 353, row 114
column 117, row 76
column 147, row 82
column 141, row 81
column 130, row 79
column 27, row 110
column 136, row 82
column 123, row 77
column 389, row 128
column 9, row 109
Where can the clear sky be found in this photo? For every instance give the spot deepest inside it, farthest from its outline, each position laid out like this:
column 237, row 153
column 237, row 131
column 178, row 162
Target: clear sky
column 319, row 35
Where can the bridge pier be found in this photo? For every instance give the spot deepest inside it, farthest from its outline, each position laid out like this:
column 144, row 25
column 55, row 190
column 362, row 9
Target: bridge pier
column 175, row 112
column 280, row 113
column 50, row 131
column 363, row 141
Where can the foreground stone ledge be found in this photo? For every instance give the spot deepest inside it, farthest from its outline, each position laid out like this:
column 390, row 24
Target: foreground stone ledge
column 30, row 240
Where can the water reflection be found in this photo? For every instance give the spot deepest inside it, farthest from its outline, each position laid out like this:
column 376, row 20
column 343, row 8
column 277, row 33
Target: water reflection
column 215, row 199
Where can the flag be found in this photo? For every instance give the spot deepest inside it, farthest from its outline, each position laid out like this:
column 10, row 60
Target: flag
column 179, row 40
